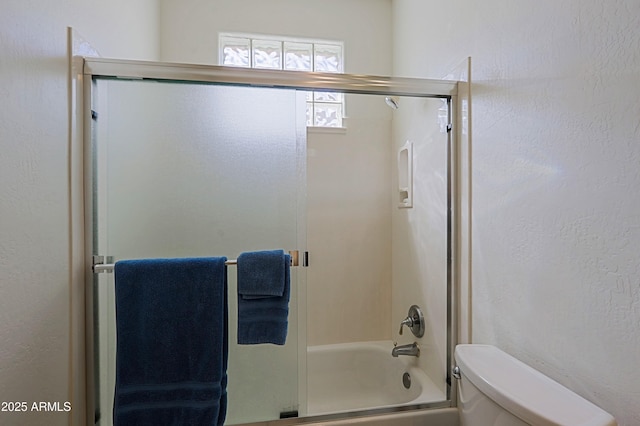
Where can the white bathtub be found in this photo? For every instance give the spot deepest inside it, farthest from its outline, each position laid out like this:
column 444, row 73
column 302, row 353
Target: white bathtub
column 358, row 376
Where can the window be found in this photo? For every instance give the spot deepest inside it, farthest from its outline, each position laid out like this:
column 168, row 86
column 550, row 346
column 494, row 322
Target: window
column 324, row 109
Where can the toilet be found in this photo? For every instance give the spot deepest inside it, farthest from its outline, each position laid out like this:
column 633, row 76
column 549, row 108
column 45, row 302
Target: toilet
column 496, row 389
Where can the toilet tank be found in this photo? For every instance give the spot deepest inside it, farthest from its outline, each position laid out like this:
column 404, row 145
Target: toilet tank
column 497, row 389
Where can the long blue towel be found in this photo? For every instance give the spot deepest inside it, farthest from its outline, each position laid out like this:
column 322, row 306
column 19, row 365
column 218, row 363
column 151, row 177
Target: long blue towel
column 171, row 353
column 263, row 297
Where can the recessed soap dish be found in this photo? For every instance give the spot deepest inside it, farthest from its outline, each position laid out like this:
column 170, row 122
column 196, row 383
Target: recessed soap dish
column 405, row 176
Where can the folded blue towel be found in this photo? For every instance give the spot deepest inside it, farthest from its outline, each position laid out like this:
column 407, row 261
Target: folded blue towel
column 171, row 352
column 261, row 273
column 263, row 297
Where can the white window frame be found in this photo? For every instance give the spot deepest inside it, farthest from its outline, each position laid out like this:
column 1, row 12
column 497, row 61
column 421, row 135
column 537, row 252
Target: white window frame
column 314, row 100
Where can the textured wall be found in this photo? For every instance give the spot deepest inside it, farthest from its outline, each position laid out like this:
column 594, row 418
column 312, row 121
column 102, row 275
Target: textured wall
column 34, row 194
column 190, row 28
column 556, row 148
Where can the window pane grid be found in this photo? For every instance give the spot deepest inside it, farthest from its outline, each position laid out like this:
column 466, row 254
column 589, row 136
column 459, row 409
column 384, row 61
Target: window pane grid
column 324, row 109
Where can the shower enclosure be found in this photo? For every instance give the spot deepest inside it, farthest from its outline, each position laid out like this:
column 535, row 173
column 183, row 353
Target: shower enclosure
column 185, row 160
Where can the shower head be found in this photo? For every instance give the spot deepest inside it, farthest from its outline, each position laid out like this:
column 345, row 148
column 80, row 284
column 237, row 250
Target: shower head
column 392, row 101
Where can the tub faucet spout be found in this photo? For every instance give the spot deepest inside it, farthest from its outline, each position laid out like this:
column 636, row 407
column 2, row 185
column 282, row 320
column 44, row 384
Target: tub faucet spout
column 409, row 350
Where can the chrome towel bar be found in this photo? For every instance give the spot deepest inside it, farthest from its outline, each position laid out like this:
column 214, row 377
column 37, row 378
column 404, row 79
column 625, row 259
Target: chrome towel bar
column 100, row 262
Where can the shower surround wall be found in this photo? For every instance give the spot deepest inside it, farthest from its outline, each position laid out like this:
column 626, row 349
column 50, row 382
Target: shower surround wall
column 556, row 231
column 349, row 227
column 348, row 173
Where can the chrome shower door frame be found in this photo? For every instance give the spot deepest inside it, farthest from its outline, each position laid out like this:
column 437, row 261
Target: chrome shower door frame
column 328, row 82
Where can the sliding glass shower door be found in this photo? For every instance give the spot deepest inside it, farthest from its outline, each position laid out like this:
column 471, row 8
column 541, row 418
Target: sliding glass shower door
column 188, row 170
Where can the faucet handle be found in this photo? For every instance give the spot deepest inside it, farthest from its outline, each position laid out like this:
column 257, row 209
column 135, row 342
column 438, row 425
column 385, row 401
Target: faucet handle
column 415, row 321
column 408, row 322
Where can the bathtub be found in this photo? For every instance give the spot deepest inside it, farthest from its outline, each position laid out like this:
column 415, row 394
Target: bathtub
column 350, row 377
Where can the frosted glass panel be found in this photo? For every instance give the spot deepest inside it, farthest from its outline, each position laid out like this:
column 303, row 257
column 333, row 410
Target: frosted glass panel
column 328, row 58
column 298, row 56
column 327, row 96
column 199, row 170
column 267, row 54
column 236, row 51
column 327, row 114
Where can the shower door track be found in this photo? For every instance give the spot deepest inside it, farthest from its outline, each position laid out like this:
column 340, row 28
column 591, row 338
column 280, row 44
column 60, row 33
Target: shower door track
column 328, row 82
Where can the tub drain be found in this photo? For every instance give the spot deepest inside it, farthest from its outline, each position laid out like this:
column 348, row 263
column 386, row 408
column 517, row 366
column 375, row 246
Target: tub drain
column 406, row 380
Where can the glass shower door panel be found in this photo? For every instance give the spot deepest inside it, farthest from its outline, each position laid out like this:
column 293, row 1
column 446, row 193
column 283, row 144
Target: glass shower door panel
column 201, row 170
column 421, row 232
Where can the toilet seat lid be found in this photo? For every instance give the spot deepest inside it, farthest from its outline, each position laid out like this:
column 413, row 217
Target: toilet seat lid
column 524, row 391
